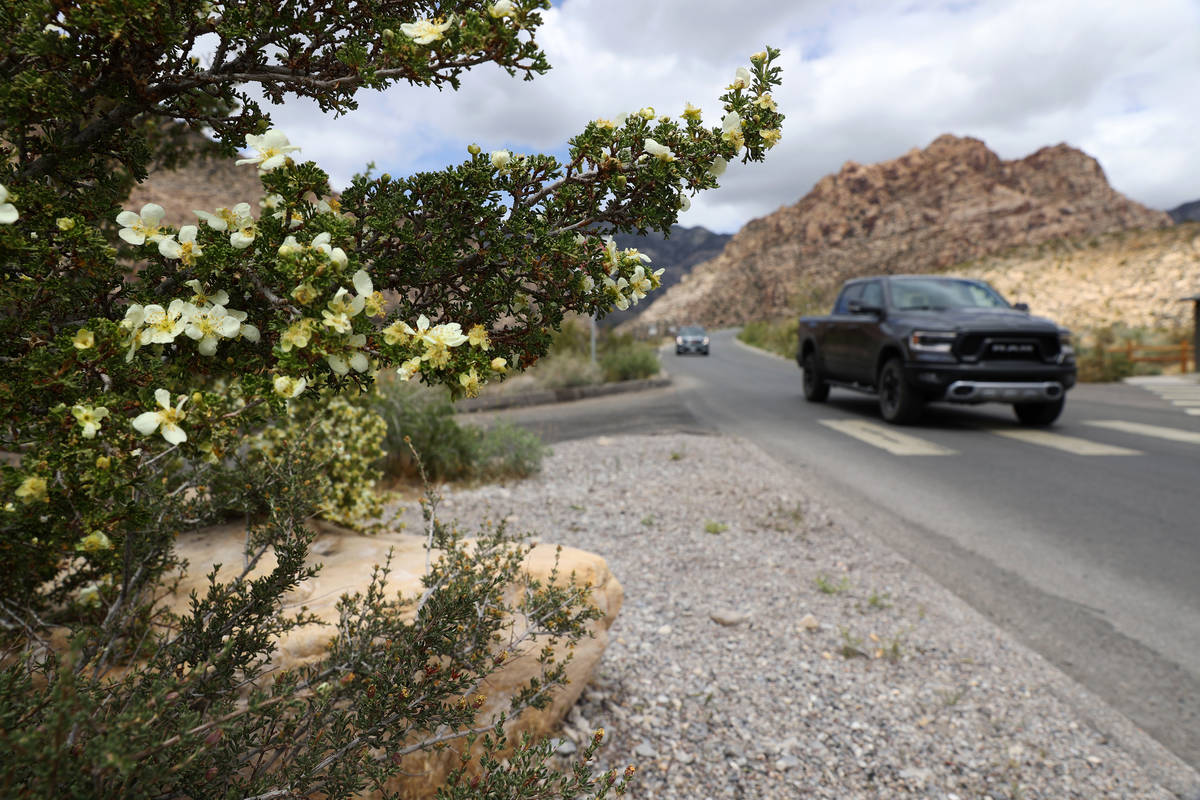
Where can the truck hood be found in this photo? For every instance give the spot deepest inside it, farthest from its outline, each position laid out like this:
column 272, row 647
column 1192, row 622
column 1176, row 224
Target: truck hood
column 979, row 319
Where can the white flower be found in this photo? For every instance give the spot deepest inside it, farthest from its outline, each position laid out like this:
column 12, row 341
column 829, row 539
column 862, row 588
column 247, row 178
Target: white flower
column 289, row 387
column 500, row 159
column 162, row 325
column 206, row 326
column 272, row 148
column 335, row 254
column 202, row 297
column 446, row 335
column 344, row 303
column 639, row 284
column 137, row 228
column 185, row 250
column 732, row 122
column 647, row 113
column 501, row 8
column 8, row 212
column 659, row 151
column 245, row 329
column 337, row 320
column 741, row 78
column 90, row 595
column 409, row 368
column 89, row 419
column 243, row 227
column 718, row 167
column 685, row 202
column 224, row 217
column 166, row 417
column 425, row 31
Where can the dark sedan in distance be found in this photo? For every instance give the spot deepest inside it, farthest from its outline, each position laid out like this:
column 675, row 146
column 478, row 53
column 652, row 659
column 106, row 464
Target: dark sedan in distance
column 691, row 339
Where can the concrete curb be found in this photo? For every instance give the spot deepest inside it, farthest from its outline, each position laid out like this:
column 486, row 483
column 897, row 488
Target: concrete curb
column 559, row 395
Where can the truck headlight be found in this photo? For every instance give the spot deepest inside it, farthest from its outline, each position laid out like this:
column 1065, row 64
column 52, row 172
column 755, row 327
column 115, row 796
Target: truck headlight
column 1064, row 343
column 678, row 340
column 931, row 341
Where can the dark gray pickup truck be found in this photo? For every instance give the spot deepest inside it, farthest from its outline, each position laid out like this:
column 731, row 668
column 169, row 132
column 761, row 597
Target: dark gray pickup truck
column 917, row 338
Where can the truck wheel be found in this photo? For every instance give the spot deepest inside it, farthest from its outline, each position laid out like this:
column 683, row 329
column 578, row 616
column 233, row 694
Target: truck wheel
column 898, row 403
column 816, row 390
column 1039, row 414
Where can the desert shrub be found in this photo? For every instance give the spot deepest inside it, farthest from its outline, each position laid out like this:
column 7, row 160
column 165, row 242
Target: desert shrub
column 1100, row 357
column 627, row 360
column 423, row 417
column 155, row 377
column 776, row 336
column 566, row 370
column 508, row 451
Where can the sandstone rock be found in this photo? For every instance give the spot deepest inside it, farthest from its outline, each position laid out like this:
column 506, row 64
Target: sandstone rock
column 728, row 617
column 925, row 211
column 347, row 558
column 809, row 623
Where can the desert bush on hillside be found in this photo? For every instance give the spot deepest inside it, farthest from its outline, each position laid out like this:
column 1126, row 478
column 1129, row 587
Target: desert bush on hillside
column 157, row 379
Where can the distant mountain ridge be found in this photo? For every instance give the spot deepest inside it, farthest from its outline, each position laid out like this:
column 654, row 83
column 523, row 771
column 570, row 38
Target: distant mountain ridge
column 1187, row 212
column 927, row 210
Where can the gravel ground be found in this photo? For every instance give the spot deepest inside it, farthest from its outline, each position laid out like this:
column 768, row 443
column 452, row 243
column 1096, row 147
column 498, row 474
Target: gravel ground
column 768, row 650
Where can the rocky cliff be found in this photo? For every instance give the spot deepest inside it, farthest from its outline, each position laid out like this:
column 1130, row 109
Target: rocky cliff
column 923, row 212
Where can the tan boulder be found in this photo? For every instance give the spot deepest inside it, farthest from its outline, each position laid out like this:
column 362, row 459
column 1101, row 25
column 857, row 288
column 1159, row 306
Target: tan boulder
column 346, row 558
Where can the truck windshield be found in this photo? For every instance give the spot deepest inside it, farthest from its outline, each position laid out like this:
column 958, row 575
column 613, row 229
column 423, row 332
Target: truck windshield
column 934, row 294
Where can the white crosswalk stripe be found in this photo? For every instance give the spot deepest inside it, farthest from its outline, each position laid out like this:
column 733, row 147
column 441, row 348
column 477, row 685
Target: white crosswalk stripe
column 1158, row 431
column 1068, row 444
column 886, row 438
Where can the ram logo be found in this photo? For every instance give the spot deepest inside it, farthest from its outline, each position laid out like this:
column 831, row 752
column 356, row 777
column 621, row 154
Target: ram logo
column 1013, row 347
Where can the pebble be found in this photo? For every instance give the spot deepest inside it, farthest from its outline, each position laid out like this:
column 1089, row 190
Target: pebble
column 943, row 703
column 728, row 618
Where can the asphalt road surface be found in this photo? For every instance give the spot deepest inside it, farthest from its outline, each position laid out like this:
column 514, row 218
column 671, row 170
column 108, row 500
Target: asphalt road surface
column 1083, row 540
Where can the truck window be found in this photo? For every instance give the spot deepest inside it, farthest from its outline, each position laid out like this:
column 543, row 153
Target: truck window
column 872, row 294
column 852, row 292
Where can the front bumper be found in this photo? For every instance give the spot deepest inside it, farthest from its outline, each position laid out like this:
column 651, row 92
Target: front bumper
column 691, row 347
column 982, row 383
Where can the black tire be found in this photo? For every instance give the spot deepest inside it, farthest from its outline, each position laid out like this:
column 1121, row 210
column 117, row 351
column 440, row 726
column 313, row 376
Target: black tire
column 705, row 352
column 816, row 390
column 899, row 403
column 1039, row 414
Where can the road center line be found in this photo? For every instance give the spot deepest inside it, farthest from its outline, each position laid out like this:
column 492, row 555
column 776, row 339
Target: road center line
column 1174, row 434
column 1069, row 444
column 896, row 443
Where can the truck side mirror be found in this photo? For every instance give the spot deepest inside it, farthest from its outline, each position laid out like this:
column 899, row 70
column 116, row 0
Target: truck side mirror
column 856, row 307
column 1021, row 307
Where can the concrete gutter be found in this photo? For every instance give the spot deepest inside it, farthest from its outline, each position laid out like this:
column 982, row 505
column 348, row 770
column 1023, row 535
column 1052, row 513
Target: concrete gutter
column 497, row 402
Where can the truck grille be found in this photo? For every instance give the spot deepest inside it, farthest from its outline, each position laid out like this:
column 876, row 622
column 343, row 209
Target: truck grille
column 1007, row 347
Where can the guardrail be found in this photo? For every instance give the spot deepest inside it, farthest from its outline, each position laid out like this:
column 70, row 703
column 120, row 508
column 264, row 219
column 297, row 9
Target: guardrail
column 1179, row 354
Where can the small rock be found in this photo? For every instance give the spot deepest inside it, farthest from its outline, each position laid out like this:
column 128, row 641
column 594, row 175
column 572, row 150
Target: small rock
column 728, row 617
column 785, row 763
column 664, row 630
column 566, row 747
column 644, row 750
column 809, row 623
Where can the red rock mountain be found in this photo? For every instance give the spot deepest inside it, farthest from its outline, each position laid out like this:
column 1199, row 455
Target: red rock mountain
column 925, row 211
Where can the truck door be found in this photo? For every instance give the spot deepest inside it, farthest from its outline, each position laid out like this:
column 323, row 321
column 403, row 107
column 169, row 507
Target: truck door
column 835, row 346
column 863, row 336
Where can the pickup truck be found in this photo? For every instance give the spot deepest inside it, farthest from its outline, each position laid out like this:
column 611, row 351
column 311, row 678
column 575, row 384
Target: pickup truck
column 911, row 339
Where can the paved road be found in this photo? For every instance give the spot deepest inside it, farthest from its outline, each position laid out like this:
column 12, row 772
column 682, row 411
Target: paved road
column 1083, row 540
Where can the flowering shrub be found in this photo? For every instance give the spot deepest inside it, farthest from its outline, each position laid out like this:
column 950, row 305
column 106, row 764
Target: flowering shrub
column 156, row 377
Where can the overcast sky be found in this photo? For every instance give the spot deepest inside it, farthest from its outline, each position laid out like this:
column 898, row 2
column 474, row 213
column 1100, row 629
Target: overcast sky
column 863, row 81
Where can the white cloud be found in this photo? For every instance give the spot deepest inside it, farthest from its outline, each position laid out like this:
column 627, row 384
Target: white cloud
column 862, row 81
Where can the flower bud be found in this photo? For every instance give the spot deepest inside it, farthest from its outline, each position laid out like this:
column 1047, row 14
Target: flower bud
column 473, row 149
column 65, row 223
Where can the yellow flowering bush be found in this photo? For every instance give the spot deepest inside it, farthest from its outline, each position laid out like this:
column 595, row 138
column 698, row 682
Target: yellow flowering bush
column 157, row 377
